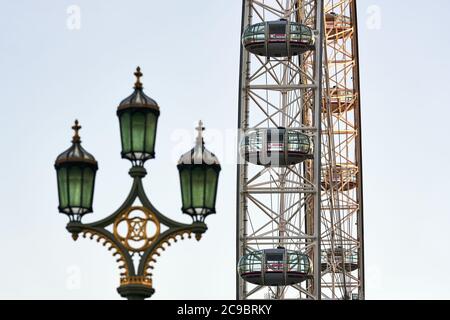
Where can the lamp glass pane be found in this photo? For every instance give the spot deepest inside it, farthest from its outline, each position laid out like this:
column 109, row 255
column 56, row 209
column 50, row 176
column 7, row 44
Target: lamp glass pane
column 88, row 185
column 210, row 188
column 75, row 188
column 150, row 133
column 138, row 131
column 185, row 178
column 198, row 186
column 62, row 187
column 125, row 132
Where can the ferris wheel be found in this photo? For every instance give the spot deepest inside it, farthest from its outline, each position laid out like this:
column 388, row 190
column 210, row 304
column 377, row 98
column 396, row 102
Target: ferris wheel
column 299, row 181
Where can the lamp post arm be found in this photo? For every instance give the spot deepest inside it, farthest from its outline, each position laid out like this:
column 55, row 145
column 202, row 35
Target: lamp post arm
column 126, row 204
column 106, row 238
column 136, row 282
column 137, row 191
column 147, row 259
column 162, row 218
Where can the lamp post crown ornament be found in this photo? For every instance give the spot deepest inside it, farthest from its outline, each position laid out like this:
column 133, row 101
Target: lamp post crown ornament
column 138, row 74
column 76, row 137
column 200, row 129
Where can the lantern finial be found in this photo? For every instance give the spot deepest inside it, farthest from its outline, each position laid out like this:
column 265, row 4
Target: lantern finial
column 138, row 74
column 76, row 127
column 200, row 130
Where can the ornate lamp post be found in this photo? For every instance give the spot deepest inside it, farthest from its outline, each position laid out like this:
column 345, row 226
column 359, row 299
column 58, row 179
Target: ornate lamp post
column 136, row 230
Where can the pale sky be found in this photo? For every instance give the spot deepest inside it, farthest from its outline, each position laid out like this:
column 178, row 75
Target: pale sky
column 189, row 54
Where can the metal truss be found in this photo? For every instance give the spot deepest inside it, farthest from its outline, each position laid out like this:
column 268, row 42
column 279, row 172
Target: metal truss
column 342, row 210
column 314, row 207
column 280, row 206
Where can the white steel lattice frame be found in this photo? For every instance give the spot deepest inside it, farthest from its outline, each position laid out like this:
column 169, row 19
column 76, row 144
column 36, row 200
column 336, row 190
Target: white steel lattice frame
column 280, row 206
column 291, row 206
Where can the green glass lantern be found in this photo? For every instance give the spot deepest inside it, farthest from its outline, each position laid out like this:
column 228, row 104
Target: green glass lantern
column 138, row 116
column 75, row 170
column 199, row 175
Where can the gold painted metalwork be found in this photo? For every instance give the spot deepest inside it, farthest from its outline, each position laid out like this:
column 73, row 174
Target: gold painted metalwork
column 142, row 280
column 136, row 229
column 116, row 252
column 165, row 241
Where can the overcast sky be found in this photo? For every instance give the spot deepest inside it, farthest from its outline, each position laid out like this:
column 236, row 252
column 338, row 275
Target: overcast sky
column 52, row 73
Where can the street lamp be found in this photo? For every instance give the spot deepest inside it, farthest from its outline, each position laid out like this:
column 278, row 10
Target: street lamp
column 135, row 230
column 199, row 174
column 138, row 116
column 76, row 170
